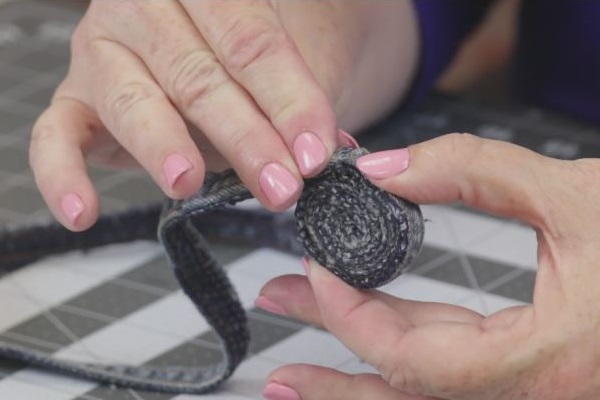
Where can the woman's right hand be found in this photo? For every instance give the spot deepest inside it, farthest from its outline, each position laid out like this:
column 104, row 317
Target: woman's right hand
column 179, row 87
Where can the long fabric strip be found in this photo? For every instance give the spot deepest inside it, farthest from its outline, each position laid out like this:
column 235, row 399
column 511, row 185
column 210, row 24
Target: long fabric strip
column 362, row 234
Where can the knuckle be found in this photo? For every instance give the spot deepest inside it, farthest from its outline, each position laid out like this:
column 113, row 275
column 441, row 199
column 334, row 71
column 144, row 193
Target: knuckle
column 193, row 76
column 357, row 309
column 464, row 151
column 238, row 143
column 460, row 381
column 463, row 145
column 122, row 10
column 284, row 110
column 244, row 149
column 124, row 98
column 402, row 378
column 445, row 382
column 249, row 40
column 444, row 377
column 588, row 169
column 396, row 373
column 583, row 176
column 292, row 110
column 397, row 378
column 41, row 134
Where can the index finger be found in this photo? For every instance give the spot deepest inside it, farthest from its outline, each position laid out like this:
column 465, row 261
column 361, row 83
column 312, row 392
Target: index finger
column 249, row 40
column 494, row 176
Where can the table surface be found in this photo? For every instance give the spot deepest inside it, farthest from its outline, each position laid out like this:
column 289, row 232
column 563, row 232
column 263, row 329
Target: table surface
column 121, row 304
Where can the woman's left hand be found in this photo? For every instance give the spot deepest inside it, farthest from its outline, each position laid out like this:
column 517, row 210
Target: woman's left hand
column 547, row 350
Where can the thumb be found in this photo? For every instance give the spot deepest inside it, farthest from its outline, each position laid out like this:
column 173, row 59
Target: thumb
column 494, row 176
column 311, row 382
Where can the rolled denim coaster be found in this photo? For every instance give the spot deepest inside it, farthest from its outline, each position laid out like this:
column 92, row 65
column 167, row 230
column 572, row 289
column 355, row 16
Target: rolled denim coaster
column 364, row 235
column 361, row 233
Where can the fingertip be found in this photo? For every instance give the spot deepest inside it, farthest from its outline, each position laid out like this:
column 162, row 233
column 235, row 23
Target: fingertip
column 347, row 140
column 174, row 166
column 279, row 187
column 283, row 285
column 57, row 161
column 384, row 164
column 182, row 175
column 76, row 209
column 290, row 373
column 276, row 391
column 317, row 382
column 61, row 177
column 72, row 206
column 310, row 153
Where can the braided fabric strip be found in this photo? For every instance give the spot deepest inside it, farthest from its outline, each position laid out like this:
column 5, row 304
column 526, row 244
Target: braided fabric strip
column 361, row 233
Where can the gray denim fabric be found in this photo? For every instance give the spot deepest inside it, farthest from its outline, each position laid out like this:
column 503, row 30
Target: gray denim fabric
column 359, row 232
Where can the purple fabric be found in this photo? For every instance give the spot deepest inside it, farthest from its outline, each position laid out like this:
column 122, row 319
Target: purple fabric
column 557, row 64
column 443, row 24
column 558, row 57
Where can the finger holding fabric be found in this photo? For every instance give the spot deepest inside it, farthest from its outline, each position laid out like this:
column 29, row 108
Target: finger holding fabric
column 545, row 350
column 189, row 73
column 179, row 87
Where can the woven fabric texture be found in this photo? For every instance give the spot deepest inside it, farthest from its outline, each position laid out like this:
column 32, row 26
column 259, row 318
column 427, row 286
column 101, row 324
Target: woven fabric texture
column 362, row 234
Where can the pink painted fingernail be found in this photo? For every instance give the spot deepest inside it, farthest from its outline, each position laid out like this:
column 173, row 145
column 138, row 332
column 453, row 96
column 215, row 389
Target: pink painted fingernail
column 306, row 265
column 310, row 153
column 174, row 166
column 384, row 163
column 278, row 184
column 276, row 391
column 72, row 206
column 264, row 303
column 346, row 140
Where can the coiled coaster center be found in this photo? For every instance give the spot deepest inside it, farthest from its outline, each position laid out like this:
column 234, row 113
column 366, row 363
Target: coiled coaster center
column 364, row 235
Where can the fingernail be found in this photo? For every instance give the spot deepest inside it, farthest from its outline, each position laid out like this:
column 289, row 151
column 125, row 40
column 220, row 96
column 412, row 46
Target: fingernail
column 346, row 140
column 278, row 184
column 264, row 303
column 174, row 166
column 384, row 163
column 72, row 206
column 276, row 391
column 310, row 153
column 306, row 265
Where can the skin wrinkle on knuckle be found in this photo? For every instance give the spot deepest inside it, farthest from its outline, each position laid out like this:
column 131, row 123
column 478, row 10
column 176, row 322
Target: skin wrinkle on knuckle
column 399, row 377
column 549, row 201
column 238, row 143
column 122, row 99
column 194, row 75
column 348, row 314
column 586, row 173
column 249, row 40
column 396, row 371
column 466, row 149
column 587, row 180
column 547, row 209
column 456, row 381
column 464, row 152
column 284, row 110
